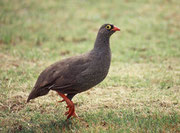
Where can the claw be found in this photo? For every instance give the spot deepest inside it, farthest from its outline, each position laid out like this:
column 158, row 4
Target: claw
column 66, row 113
column 61, row 101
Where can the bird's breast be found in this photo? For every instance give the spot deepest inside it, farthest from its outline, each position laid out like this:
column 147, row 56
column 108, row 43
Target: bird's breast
column 96, row 72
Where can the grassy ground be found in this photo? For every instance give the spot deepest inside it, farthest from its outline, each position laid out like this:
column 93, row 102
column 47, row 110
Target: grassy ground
column 142, row 90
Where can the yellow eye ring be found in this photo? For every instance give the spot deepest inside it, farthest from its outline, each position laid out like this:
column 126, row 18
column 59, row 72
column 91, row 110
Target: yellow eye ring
column 108, row 27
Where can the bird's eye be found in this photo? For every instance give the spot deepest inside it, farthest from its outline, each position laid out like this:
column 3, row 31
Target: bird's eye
column 108, row 27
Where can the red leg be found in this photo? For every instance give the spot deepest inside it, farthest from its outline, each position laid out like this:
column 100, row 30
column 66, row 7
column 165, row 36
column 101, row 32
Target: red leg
column 70, row 105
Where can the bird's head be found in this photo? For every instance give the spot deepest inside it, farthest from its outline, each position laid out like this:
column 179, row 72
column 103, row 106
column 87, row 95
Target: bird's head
column 108, row 29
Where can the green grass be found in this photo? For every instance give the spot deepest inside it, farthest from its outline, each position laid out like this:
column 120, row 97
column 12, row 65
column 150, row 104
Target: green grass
column 141, row 92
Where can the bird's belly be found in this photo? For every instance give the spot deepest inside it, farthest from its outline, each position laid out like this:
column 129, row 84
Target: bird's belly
column 91, row 80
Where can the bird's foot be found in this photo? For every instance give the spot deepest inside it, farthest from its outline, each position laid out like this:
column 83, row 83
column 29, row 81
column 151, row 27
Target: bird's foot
column 71, row 111
column 70, row 105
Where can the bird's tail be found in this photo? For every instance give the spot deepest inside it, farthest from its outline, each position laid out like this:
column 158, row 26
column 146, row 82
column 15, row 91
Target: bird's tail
column 37, row 92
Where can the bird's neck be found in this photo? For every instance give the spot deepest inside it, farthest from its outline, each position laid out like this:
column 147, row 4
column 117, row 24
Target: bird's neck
column 102, row 42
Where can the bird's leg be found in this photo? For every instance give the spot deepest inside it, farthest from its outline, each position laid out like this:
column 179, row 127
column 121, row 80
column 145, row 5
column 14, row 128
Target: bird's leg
column 70, row 105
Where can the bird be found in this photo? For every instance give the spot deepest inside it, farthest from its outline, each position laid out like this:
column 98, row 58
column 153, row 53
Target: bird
column 77, row 74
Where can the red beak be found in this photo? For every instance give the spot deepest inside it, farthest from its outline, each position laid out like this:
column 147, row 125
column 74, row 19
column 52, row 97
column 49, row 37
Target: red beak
column 115, row 29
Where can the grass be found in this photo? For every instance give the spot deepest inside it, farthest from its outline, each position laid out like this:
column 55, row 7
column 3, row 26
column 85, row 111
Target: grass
column 141, row 92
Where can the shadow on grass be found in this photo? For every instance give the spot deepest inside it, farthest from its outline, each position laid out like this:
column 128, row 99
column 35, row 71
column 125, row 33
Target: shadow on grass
column 60, row 126
column 104, row 121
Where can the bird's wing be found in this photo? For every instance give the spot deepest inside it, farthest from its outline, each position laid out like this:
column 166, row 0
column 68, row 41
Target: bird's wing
column 60, row 76
column 63, row 73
